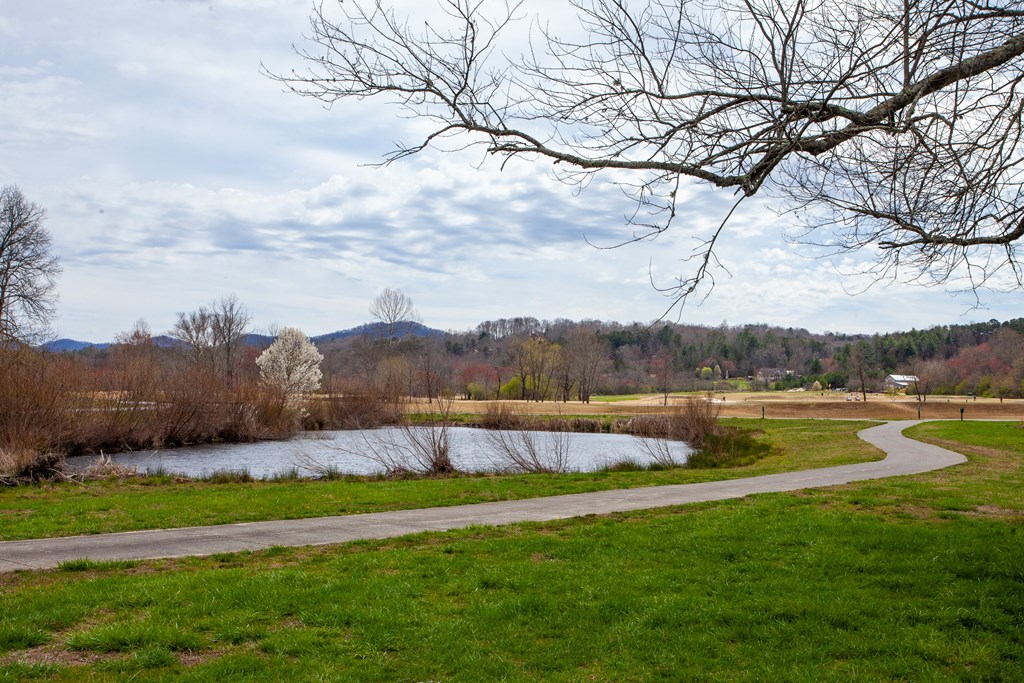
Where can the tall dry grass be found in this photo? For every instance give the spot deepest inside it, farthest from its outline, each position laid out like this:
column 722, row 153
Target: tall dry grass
column 39, row 397
column 52, row 405
column 188, row 407
column 350, row 405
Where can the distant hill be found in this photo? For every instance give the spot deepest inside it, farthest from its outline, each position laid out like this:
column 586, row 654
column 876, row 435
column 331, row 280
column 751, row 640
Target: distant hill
column 164, row 342
column 374, row 330
column 72, row 345
column 258, row 340
column 378, row 331
column 69, row 345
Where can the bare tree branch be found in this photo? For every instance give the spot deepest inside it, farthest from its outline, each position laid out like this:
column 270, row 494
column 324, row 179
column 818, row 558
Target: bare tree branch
column 889, row 126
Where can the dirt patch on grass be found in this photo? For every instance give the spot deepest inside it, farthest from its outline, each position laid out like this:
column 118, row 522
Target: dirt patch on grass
column 53, row 653
column 996, row 512
column 188, row 659
column 288, row 624
column 542, row 558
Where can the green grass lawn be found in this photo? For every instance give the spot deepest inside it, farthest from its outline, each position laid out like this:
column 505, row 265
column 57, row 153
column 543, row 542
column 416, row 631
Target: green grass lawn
column 615, row 398
column 913, row 578
column 149, row 503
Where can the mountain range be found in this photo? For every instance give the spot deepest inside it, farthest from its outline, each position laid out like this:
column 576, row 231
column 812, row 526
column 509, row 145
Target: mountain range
column 373, row 330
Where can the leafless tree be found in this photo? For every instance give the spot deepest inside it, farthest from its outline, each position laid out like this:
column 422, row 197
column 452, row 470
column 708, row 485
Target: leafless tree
column 888, row 126
column 863, row 367
column 919, row 386
column 395, row 310
column 135, row 360
column 588, row 355
column 139, row 335
column 562, row 372
column 367, row 356
column 665, row 373
column 214, row 335
column 533, row 361
column 194, row 331
column 433, row 368
column 28, row 270
column 229, row 325
column 519, row 359
column 393, row 378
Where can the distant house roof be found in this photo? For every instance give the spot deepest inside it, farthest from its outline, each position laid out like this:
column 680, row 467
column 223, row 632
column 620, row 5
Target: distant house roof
column 772, row 374
column 901, row 380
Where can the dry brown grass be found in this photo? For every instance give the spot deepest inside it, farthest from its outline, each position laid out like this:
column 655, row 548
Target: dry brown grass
column 55, row 653
column 783, row 405
column 52, row 405
column 349, row 406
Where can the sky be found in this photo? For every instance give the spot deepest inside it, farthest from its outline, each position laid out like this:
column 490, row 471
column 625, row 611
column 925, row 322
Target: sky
column 174, row 173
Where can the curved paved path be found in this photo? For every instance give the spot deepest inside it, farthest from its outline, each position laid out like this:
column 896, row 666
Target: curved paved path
column 904, row 456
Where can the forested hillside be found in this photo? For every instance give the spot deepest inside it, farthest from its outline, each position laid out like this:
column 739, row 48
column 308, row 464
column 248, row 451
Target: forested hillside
column 529, row 358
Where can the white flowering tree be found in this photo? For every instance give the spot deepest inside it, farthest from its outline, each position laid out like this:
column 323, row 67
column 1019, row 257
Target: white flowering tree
column 291, row 363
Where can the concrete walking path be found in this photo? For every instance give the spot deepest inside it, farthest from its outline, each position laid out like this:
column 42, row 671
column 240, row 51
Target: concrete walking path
column 904, row 456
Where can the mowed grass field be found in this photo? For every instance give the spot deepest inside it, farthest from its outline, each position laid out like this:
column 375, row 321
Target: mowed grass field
column 913, row 578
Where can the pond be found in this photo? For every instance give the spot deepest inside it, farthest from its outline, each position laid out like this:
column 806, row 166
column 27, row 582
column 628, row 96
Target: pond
column 366, row 451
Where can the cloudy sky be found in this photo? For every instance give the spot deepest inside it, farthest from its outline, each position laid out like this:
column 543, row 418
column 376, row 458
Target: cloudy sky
column 173, row 173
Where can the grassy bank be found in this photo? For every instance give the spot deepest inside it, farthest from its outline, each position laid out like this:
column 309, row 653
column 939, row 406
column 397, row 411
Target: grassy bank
column 904, row 579
column 44, row 510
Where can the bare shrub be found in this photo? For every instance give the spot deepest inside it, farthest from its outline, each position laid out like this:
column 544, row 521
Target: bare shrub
column 38, row 399
column 429, row 445
column 418, row 449
column 52, row 404
column 694, row 421
column 190, row 406
column 658, row 449
column 502, row 415
column 527, row 450
column 518, row 445
column 260, row 411
column 347, row 405
column 620, row 425
column 589, row 425
column 691, row 421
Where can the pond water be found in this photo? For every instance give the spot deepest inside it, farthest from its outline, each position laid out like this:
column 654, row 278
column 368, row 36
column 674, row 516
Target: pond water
column 362, row 452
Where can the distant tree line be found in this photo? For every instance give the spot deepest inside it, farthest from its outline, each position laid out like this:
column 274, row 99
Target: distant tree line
column 525, row 358
column 528, row 359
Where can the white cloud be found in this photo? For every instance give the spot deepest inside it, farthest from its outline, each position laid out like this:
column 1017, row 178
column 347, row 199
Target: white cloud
column 132, row 69
column 41, row 111
column 173, row 172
